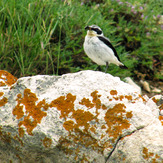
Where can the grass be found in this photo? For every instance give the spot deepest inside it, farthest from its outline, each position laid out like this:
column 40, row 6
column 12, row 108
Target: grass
column 46, row 37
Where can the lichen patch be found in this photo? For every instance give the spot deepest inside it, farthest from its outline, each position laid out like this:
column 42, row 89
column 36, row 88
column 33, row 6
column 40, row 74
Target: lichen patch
column 6, row 78
column 117, row 120
column 79, row 123
column 64, row 104
column 81, row 129
column 150, row 156
column 33, row 113
column 3, row 100
column 47, row 142
column 161, row 116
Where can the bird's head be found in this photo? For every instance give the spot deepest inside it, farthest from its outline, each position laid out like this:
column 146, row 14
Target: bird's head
column 93, row 30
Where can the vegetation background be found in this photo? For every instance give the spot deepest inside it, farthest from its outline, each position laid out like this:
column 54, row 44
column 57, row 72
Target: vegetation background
column 46, row 36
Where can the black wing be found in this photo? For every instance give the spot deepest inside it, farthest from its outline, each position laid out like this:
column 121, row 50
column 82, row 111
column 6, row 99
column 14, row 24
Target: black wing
column 107, row 42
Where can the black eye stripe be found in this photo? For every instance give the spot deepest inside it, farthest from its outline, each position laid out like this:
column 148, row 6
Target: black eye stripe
column 97, row 30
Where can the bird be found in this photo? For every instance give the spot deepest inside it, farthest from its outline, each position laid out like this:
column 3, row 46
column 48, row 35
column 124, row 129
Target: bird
column 99, row 48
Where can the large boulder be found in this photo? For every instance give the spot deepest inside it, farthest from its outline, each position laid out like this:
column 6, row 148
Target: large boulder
column 82, row 117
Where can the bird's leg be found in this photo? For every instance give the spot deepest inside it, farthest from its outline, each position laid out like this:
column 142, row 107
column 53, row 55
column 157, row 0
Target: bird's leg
column 106, row 67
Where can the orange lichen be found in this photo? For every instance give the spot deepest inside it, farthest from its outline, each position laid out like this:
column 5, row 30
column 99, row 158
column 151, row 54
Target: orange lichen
column 121, row 97
column 80, row 129
column 161, row 119
column 161, row 116
column 3, row 101
column 103, row 127
column 21, row 132
column 161, row 107
column 142, row 98
column 128, row 97
column 129, row 114
column 68, row 125
column 18, row 111
column 33, row 113
column 115, row 120
column 1, row 94
column 113, row 92
column 151, row 157
column 154, row 100
column 2, row 84
column 47, row 142
column 93, row 129
column 87, row 103
column 7, row 78
column 116, row 98
column 64, row 104
column 82, row 118
column 29, row 124
column 96, row 101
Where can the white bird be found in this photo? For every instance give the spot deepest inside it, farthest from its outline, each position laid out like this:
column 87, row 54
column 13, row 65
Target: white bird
column 99, row 49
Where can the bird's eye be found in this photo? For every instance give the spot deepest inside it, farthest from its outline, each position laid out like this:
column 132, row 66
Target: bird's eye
column 98, row 31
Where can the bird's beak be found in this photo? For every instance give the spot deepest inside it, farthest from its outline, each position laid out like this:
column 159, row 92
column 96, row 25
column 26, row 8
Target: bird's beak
column 87, row 28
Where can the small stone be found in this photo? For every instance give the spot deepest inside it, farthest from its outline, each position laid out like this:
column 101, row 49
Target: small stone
column 156, row 90
column 145, row 85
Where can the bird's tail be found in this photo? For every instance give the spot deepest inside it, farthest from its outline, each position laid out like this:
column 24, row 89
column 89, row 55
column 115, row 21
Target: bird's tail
column 123, row 67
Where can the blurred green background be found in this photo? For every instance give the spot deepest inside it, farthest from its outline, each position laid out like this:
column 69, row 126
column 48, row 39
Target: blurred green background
column 46, row 36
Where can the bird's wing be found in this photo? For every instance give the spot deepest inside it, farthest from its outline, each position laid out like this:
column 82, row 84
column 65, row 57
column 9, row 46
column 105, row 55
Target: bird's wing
column 107, row 42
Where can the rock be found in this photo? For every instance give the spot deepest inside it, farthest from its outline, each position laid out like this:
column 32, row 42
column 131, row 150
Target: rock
column 87, row 116
column 145, row 85
column 156, row 90
column 131, row 82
